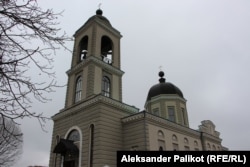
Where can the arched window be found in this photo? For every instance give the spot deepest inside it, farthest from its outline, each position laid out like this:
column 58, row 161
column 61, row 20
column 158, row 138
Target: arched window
column 78, row 89
column 106, row 86
column 74, row 136
column 160, row 134
column 161, row 141
column 174, row 138
column 83, row 45
column 71, row 156
column 107, row 50
column 185, row 140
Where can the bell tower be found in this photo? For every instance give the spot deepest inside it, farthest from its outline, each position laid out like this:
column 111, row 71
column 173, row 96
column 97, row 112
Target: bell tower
column 87, row 132
column 95, row 67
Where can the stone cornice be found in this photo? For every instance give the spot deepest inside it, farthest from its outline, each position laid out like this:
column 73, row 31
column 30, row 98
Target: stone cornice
column 155, row 119
column 168, row 97
column 94, row 100
column 210, row 137
column 97, row 62
column 165, row 97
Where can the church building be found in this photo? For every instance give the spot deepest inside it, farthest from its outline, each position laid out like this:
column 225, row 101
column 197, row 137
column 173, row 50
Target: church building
column 95, row 122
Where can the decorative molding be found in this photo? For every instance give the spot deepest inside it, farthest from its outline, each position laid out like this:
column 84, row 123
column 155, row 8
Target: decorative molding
column 167, row 97
column 98, row 62
column 94, row 100
column 208, row 127
column 166, row 123
column 211, row 137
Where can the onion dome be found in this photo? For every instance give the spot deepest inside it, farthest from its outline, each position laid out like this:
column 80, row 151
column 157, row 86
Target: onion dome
column 163, row 88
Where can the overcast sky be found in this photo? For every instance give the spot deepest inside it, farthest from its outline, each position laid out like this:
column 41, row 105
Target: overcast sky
column 203, row 47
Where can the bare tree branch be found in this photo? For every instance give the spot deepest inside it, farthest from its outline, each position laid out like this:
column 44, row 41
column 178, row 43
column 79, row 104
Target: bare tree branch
column 11, row 140
column 29, row 37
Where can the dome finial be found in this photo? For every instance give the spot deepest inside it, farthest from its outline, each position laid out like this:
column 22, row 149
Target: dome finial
column 161, row 74
column 99, row 11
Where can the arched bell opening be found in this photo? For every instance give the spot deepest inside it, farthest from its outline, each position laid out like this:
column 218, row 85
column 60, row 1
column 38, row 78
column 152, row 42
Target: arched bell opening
column 107, row 50
column 83, row 48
